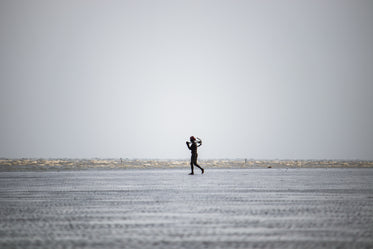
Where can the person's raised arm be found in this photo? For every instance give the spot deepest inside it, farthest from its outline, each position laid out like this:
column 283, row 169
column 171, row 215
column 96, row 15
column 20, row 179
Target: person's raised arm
column 199, row 141
column 188, row 144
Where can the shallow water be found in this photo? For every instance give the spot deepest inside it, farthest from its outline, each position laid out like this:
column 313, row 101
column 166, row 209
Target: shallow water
column 30, row 164
column 224, row 208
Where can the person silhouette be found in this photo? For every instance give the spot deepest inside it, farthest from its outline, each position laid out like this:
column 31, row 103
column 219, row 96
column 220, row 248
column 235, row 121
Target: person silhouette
column 193, row 145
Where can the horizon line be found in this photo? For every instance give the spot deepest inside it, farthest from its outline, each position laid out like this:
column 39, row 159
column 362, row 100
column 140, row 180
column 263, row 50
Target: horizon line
column 181, row 159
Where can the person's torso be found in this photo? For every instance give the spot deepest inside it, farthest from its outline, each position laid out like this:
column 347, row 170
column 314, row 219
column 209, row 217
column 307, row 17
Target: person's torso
column 193, row 148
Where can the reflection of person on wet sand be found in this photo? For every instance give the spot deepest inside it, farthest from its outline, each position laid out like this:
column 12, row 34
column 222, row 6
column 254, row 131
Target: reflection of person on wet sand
column 192, row 145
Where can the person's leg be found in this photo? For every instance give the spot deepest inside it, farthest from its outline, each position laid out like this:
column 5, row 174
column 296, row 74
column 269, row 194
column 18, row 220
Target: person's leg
column 191, row 166
column 196, row 164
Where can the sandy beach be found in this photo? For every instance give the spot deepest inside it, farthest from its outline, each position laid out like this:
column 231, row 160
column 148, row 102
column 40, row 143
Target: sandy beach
column 166, row 208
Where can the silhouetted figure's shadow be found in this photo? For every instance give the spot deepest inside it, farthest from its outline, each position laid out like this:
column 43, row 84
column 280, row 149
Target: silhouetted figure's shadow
column 193, row 145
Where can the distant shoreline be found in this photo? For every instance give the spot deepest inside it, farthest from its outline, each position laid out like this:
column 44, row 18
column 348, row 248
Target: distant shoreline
column 82, row 164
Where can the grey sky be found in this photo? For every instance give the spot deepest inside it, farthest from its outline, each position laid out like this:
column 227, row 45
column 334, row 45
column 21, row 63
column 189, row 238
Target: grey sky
column 253, row 79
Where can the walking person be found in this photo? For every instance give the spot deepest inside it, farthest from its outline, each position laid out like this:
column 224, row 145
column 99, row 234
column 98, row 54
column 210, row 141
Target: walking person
column 193, row 145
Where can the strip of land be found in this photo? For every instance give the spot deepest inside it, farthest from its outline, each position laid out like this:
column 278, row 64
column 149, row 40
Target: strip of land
column 70, row 164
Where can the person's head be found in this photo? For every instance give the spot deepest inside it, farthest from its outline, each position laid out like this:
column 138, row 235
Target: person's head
column 192, row 139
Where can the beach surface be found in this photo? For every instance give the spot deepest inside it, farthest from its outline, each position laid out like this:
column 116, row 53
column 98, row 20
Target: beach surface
column 167, row 208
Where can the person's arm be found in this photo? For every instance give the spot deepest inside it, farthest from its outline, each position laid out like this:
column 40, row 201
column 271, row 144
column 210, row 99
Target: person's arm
column 188, row 144
column 199, row 141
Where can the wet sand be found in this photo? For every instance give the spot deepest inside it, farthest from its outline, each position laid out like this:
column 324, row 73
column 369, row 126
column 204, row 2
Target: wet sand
column 166, row 208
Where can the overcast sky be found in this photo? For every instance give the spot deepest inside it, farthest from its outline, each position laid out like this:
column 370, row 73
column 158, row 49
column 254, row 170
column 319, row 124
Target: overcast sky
column 134, row 79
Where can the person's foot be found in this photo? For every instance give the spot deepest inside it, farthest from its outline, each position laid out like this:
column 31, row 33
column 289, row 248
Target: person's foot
column 191, row 173
column 203, row 171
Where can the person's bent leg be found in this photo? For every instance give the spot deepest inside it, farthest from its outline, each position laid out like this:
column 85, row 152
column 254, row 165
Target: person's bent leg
column 203, row 171
column 194, row 161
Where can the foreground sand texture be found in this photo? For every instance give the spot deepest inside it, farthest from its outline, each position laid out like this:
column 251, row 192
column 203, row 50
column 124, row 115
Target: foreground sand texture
column 166, row 208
